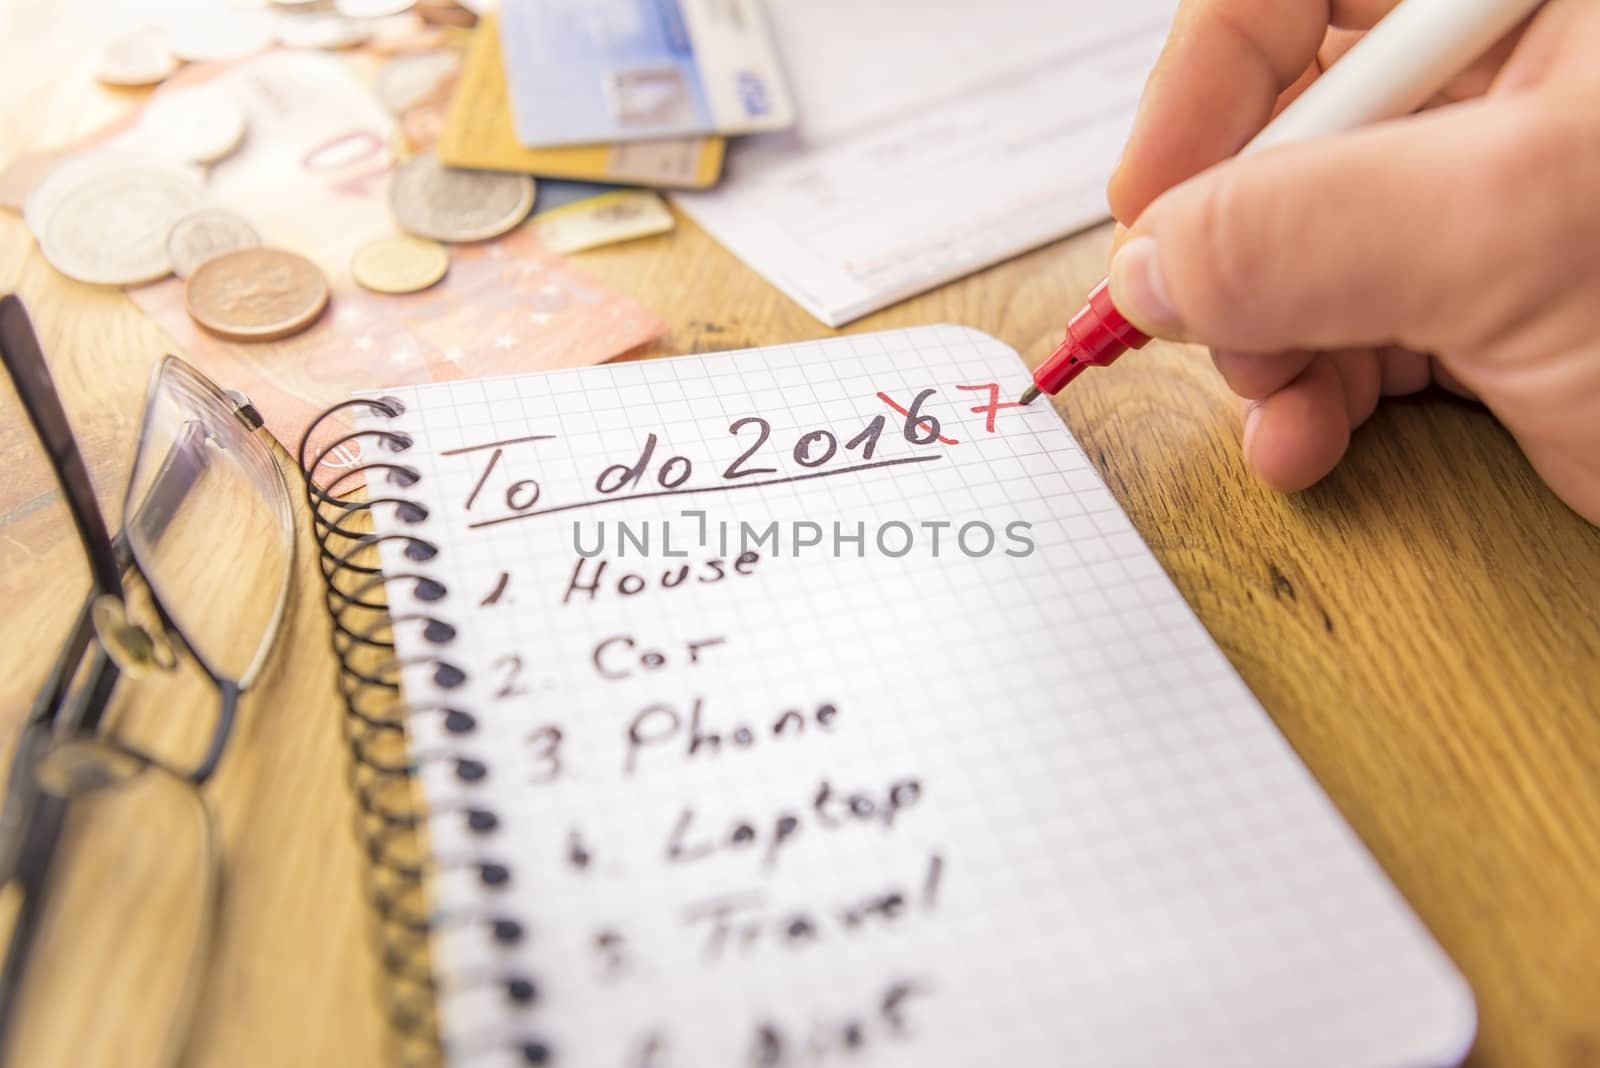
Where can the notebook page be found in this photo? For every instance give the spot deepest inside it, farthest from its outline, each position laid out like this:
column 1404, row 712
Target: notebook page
column 877, row 800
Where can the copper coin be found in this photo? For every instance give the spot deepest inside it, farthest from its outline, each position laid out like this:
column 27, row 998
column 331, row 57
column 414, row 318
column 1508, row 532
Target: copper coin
column 446, row 13
column 256, row 294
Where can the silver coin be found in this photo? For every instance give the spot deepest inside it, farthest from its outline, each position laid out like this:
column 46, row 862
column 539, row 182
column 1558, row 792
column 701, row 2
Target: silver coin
column 199, row 125
column 112, row 229
column 406, row 80
column 322, row 29
column 196, row 238
column 74, row 171
column 372, row 9
column 212, row 36
column 138, row 58
column 429, row 199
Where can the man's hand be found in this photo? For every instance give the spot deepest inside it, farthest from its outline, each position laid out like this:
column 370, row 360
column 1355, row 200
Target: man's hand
column 1459, row 245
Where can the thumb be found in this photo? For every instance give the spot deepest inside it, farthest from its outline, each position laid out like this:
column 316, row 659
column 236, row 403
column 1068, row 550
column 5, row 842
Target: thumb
column 1433, row 231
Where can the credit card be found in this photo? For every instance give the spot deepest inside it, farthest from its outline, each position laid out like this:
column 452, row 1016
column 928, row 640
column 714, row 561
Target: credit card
column 582, row 71
column 478, row 132
column 559, row 192
column 603, row 220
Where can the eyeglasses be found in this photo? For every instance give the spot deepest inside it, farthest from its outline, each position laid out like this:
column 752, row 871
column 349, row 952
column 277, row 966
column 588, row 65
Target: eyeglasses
column 110, row 866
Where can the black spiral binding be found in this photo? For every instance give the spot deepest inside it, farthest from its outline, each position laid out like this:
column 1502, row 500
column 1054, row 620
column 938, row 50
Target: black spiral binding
column 394, row 820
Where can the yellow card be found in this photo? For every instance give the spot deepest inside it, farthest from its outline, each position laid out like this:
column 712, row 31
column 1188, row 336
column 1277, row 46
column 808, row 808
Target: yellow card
column 479, row 132
column 602, row 220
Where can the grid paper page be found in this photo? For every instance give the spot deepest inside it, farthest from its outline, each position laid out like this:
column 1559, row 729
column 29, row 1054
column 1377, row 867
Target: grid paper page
column 876, row 799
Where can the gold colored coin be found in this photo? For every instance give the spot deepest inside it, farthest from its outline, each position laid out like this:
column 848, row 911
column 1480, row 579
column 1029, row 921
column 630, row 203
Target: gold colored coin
column 399, row 264
column 256, row 294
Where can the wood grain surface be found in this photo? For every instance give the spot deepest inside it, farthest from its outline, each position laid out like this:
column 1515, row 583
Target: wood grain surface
column 1424, row 626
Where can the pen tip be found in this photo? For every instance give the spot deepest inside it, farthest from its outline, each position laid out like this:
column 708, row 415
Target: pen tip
column 1029, row 395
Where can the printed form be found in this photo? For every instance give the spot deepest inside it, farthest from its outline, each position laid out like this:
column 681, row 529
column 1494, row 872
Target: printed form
column 935, row 138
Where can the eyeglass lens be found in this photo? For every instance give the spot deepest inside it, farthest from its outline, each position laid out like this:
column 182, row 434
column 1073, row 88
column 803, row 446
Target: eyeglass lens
column 208, row 519
column 128, row 902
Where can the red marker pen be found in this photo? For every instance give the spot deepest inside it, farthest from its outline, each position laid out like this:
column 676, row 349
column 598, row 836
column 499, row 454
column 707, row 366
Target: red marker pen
column 1398, row 65
column 1096, row 336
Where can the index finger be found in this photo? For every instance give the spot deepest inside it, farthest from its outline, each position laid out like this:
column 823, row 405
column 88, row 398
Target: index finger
column 1224, row 66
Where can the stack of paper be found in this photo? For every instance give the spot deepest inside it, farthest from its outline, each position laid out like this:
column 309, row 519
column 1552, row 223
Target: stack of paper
column 895, row 146
column 933, row 139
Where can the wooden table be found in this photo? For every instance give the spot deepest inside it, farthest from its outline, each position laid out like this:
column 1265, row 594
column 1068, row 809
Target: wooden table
column 1424, row 625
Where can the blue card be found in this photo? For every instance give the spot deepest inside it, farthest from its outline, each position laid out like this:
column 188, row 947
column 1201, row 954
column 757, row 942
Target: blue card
column 595, row 71
column 559, row 192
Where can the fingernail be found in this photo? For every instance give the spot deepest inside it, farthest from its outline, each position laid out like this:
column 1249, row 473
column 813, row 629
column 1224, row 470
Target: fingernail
column 1252, row 416
column 1139, row 291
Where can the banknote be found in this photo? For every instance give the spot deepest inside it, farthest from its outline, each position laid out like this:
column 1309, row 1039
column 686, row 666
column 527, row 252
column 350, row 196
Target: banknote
column 312, row 177
column 478, row 131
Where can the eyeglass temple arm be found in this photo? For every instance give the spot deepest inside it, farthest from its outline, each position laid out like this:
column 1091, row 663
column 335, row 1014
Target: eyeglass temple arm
column 180, row 470
column 19, row 347
column 62, row 672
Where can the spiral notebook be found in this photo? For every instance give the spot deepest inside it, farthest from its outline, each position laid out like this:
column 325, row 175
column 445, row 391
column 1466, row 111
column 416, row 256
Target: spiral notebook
column 817, row 705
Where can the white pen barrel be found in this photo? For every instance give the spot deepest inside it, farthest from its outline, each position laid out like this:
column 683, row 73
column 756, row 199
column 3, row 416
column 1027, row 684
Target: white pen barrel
column 1396, row 67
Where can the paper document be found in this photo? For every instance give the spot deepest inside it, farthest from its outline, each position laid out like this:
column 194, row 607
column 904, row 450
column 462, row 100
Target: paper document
column 934, row 138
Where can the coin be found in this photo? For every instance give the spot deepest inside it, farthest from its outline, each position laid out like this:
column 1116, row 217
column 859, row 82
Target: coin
column 429, row 199
column 399, row 264
column 112, row 229
column 77, row 169
column 203, row 36
column 196, row 238
column 445, row 13
column 197, row 125
column 256, row 294
column 138, row 58
column 323, row 30
column 420, row 125
column 406, row 80
column 372, row 9
column 430, row 39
